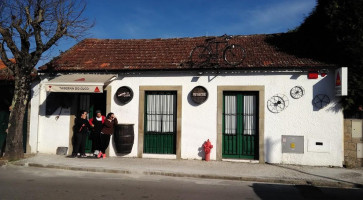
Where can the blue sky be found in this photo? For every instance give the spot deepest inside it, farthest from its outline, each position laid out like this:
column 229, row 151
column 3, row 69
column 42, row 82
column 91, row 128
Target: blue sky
column 189, row 18
column 147, row 19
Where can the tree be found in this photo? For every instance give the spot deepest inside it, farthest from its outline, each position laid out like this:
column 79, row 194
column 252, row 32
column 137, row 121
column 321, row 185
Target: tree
column 28, row 28
column 335, row 31
column 332, row 33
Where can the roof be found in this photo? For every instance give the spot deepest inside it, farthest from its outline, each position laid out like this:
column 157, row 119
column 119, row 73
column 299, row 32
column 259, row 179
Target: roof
column 171, row 54
column 5, row 73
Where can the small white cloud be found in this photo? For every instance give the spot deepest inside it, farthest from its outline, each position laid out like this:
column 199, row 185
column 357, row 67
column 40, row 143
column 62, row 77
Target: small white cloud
column 281, row 15
column 258, row 18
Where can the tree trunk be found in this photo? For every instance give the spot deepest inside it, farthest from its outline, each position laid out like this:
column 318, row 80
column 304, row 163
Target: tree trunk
column 14, row 141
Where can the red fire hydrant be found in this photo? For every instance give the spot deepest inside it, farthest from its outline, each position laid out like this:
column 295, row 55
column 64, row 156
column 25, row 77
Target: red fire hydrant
column 207, row 147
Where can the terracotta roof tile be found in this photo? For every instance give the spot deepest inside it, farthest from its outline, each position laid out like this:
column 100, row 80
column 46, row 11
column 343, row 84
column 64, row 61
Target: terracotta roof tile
column 149, row 54
column 5, row 73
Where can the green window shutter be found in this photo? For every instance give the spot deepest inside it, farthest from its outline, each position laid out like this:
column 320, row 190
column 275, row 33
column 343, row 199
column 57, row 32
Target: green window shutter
column 160, row 122
column 240, row 125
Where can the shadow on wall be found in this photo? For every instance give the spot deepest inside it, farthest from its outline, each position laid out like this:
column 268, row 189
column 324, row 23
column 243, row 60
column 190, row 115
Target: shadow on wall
column 195, row 79
column 201, row 152
column 302, row 45
column 55, row 103
column 324, row 94
column 295, row 76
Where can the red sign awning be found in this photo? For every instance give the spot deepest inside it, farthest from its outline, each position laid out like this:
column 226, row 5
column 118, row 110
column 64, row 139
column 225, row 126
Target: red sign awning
column 79, row 83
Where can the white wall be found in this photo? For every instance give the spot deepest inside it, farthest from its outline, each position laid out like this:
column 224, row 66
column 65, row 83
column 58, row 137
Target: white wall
column 54, row 132
column 47, row 133
column 34, row 113
column 199, row 121
column 302, row 119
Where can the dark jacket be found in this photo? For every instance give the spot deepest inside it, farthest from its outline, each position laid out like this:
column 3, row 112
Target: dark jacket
column 4, row 120
column 81, row 126
column 109, row 126
column 97, row 125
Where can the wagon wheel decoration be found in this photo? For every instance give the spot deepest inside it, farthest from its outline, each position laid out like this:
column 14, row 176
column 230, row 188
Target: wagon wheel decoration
column 321, row 100
column 277, row 103
column 297, row 92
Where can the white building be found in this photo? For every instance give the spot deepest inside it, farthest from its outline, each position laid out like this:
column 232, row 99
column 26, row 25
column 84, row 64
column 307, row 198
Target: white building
column 261, row 104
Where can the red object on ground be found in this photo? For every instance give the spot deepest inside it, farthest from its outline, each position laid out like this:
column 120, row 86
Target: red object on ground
column 207, row 148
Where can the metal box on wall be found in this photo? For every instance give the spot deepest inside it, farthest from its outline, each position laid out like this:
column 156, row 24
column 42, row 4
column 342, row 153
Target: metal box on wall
column 356, row 128
column 359, row 150
column 292, row 144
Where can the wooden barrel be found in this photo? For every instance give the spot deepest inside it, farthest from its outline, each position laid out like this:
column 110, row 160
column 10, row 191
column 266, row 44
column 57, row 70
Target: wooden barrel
column 124, row 138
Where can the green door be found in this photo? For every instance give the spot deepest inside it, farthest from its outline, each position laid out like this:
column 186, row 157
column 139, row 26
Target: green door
column 160, row 122
column 84, row 104
column 240, row 125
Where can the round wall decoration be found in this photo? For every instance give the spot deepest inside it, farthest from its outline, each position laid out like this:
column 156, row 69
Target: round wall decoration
column 124, row 94
column 277, row 103
column 321, row 100
column 199, row 94
column 297, row 92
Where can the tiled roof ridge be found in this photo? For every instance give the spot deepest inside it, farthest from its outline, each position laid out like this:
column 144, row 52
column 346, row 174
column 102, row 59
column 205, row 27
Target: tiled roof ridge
column 99, row 40
column 7, row 74
column 176, row 38
column 261, row 50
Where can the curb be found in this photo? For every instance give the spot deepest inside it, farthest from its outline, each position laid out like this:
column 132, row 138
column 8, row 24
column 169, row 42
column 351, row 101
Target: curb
column 314, row 183
column 86, row 169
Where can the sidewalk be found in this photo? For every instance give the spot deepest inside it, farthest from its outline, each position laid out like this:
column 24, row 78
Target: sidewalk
column 285, row 174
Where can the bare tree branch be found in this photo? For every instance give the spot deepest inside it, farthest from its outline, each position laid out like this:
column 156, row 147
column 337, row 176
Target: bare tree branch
column 4, row 57
column 24, row 36
column 28, row 28
column 7, row 37
column 40, row 24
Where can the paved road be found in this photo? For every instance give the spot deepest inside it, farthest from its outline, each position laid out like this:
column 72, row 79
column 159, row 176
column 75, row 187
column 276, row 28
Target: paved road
column 38, row 183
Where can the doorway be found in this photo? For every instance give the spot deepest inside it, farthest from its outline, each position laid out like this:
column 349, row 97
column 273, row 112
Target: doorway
column 160, row 122
column 240, row 125
column 91, row 103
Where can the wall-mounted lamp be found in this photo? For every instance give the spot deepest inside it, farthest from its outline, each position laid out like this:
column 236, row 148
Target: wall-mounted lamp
column 323, row 72
column 313, row 74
